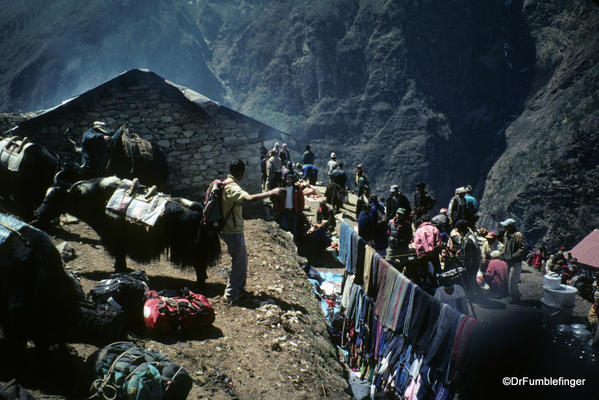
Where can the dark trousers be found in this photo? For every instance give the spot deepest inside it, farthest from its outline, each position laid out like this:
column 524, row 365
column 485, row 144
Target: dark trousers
column 288, row 221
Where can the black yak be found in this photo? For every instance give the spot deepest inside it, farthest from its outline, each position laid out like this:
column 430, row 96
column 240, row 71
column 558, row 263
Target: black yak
column 178, row 232
column 123, row 154
column 26, row 172
column 39, row 300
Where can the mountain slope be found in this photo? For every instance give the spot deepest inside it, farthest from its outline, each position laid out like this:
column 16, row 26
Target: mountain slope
column 500, row 94
column 409, row 89
column 549, row 174
column 53, row 51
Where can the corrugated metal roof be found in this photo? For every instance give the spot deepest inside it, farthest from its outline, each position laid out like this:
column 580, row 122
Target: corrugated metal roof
column 587, row 250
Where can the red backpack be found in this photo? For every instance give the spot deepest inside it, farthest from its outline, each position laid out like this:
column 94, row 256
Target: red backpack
column 186, row 314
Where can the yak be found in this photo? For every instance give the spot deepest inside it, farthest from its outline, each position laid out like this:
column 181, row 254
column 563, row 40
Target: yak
column 178, row 232
column 26, row 172
column 39, row 300
column 124, row 154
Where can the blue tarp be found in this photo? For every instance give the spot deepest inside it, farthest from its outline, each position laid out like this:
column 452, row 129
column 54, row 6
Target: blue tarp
column 324, row 284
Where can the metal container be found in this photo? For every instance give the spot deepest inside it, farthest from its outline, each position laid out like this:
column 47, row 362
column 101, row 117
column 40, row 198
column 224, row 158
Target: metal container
column 562, row 297
column 552, row 280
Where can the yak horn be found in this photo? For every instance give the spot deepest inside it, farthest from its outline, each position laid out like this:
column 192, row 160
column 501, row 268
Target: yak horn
column 68, row 138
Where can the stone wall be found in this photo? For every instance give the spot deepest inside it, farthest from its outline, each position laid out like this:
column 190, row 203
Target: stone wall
column 198, row 140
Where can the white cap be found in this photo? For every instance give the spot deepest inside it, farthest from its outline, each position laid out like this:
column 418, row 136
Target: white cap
column 508, row 222
column 100, row 125
column 333, row 155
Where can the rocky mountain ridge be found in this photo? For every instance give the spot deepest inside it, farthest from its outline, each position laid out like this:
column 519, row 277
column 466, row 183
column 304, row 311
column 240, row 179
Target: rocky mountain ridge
column 395, row 86
column 499, row 94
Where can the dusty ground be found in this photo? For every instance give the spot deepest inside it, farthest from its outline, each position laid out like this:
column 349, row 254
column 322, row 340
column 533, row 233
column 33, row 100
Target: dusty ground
column 274, row 345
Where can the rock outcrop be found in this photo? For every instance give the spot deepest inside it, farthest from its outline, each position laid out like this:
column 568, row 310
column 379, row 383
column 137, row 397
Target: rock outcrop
column 499, row 94
column 548, row 176
column 415, row 91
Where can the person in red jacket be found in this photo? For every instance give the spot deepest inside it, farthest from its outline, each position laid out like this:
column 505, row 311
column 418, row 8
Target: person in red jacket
column 496, row 274
column 289, row 204
column 427, row 242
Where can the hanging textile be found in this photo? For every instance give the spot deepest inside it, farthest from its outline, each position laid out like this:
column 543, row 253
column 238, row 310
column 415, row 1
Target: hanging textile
column 400, row 338
column 345, row 232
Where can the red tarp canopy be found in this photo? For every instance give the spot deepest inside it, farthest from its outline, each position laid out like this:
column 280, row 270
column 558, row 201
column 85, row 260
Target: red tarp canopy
column 587, row 250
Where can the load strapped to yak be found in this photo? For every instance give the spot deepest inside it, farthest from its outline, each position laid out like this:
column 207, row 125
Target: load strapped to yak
column 26, row 172
column 122, row 153
column 12, row 152
column 137, row 221
column 137, row 204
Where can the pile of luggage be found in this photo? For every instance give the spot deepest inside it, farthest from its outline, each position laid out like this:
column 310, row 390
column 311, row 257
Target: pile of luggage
column 180, row 313
column 125, row 370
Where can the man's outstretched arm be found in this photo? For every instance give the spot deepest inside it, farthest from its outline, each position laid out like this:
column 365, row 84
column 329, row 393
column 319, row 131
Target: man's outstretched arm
column 263, row 195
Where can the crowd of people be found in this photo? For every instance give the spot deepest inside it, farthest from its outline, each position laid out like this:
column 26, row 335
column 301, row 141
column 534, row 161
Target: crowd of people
column 399, row 229
column 293, row 179
column 423, row 244
column 408, row 233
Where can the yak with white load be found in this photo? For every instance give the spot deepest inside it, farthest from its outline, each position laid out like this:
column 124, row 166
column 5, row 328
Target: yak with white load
column 138, row 222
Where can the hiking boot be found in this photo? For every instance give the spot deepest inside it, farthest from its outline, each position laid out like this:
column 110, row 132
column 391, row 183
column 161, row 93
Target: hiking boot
column 230, row 301
column 243, row 296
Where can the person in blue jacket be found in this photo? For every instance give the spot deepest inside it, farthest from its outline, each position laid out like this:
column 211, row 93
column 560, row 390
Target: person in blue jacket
column 96, row 148
column 471, row 208
column 309, row 172
column 372, row 225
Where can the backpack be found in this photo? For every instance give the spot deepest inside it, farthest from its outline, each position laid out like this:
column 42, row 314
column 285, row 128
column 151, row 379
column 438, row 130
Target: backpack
column 470, row 207
column 124, row 370
column 102, row 323
column 213, row 217
column 185, row 313
column 429, row 201
column 128, row 290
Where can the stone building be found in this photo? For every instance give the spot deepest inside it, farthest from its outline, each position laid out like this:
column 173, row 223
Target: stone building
column 198, row 136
